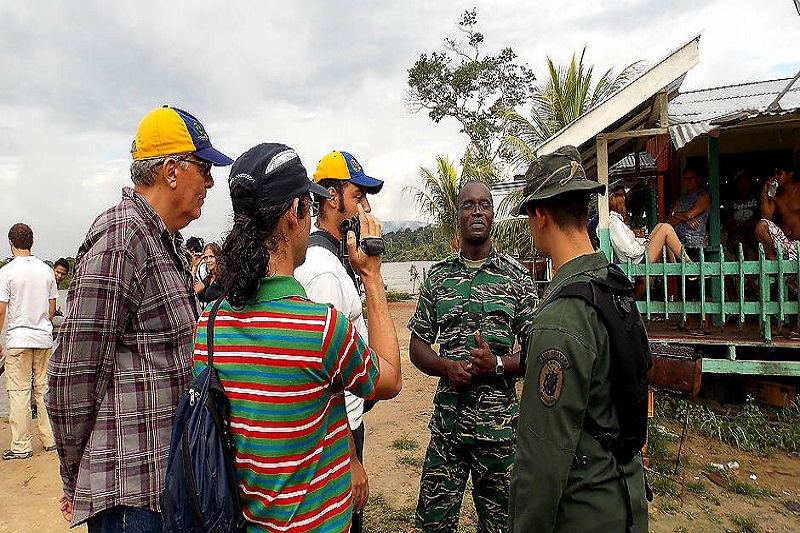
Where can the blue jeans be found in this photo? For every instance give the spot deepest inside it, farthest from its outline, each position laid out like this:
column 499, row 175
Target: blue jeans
column 122, row 519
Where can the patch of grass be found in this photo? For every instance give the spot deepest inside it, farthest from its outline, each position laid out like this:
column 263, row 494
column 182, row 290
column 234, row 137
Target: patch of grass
column 746, row 427
column 700, row 488
column 745, row 524
column 397, row 296
column 405, row 443
column 657, row 441
column 697, row 486
column 380, row 517
column 409, row 460
column 668, row 507
column 745, row 488
column 663, row 486
column 662, row 465
column 709, row 513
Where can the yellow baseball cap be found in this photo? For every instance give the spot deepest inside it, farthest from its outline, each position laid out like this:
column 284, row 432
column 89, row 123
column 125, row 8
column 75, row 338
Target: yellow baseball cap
column 169, row 130
column 343, row 166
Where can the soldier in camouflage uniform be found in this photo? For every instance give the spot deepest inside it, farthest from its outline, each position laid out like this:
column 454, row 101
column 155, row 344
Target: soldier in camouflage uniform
column 474, row 304
column 564, row 479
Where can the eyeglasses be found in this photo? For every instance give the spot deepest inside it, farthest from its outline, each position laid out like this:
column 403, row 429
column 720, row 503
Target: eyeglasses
column 484, row 206
column 207, row 257
column 204, row 166
column 313, row 207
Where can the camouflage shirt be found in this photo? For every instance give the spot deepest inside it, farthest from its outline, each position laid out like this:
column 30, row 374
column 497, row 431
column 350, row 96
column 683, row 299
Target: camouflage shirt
column 454, row 301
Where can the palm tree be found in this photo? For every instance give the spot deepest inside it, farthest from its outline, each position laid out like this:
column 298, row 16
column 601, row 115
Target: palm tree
column 437, row 199
column 568, row 92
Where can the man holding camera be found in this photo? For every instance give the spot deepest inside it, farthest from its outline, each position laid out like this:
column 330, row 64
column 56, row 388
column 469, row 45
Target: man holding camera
column 327, row 277
column 475, row 304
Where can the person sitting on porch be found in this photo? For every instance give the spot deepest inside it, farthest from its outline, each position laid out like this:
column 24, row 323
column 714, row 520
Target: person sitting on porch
column 690, row 213
column 742, row 217
column 627, row 245
column 782, row 205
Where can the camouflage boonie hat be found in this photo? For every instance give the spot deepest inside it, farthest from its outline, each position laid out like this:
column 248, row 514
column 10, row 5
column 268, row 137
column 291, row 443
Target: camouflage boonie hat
column 554, row 174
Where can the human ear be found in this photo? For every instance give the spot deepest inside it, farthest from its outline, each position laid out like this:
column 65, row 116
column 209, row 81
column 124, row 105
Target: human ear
column 168, row 168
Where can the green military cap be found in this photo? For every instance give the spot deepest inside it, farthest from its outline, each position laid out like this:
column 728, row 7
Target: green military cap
column 554, row 174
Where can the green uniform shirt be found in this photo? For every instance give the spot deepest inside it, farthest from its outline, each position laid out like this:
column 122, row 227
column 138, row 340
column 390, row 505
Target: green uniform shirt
column 455, row 301
column 563, row 479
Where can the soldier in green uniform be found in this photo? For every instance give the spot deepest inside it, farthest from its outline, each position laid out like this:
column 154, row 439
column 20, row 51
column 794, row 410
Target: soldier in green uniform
column 474, row 304
column 564, row 480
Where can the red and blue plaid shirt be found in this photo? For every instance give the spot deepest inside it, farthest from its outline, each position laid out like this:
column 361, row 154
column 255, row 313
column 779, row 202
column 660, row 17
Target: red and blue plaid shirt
column 122, row 359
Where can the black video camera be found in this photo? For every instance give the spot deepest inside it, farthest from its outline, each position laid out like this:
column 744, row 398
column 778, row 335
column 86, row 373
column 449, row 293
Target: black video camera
column 370, row 245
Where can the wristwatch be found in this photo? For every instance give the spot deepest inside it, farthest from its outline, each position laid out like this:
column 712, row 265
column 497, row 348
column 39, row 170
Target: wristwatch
column 499, row 369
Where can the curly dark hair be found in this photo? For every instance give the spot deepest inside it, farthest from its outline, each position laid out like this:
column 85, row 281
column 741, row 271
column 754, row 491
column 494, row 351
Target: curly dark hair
column 247, row 248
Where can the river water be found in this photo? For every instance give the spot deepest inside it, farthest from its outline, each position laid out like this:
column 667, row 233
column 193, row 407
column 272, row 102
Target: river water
column 397, row 275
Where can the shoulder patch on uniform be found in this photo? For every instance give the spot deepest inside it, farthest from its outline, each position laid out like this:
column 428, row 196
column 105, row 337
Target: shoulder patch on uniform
column 551, row 377
column 519, row 267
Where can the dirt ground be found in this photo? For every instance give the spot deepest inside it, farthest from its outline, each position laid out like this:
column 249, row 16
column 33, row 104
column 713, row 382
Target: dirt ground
column 697, row 500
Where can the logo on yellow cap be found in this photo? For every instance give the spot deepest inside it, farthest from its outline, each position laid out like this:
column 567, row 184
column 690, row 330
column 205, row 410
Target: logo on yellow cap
column 201, row 132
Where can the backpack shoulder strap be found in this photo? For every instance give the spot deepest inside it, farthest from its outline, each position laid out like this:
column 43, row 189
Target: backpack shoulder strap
column 212, row 315
column 329, row 242
column 325, row 240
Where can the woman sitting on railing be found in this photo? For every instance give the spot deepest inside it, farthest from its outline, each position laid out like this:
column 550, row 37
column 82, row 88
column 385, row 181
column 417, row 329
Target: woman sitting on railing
column 627, row 245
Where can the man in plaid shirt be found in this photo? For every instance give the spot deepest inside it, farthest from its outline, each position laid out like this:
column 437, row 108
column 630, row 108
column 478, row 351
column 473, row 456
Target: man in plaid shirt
column 124, row 353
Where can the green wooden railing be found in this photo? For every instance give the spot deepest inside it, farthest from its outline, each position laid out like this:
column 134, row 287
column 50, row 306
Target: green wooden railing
column 711, row 301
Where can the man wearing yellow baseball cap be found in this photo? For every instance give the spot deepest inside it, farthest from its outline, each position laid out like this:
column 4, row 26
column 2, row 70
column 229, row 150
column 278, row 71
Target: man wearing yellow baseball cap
column 124, row 354
column 328, row 277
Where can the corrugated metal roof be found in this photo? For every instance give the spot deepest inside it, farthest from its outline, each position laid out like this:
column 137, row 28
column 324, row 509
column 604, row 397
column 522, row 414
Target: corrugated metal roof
column 705, row 105
column 683, row 133
column 627, row 164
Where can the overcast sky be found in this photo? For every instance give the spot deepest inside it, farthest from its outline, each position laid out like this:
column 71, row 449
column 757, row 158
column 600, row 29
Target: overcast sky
column 77, row 77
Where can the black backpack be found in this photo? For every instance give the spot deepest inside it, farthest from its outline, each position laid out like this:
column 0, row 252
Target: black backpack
column 200, row 492
column 613, row 299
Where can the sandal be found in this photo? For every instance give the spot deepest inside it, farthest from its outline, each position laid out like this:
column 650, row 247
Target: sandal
column 8, row 455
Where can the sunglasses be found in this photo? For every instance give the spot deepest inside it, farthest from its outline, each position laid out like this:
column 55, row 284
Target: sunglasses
column 204, row 166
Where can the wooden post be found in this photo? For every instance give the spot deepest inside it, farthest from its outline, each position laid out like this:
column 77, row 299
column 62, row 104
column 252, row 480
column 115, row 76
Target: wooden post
column 602, row 199
column 713, row 186
column 714, row 229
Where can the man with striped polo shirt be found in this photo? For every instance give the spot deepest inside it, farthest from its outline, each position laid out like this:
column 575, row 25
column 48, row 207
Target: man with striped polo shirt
column 286, row 361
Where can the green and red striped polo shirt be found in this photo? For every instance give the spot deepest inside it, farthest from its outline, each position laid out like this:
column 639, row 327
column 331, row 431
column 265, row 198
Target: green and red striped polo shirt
column 285, row 362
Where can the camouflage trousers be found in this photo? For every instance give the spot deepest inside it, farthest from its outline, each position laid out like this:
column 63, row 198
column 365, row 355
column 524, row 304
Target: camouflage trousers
column 448, row 464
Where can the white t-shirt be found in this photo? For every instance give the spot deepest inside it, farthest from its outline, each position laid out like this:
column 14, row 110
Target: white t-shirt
column 326, row 281
column 27, row 285
column 624, row 242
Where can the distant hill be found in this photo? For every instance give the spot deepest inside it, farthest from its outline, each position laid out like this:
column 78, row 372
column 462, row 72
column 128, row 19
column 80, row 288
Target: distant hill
column 388, row 226
column 420, row 244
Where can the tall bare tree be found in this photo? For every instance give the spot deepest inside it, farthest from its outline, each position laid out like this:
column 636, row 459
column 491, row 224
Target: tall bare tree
column 472, row 87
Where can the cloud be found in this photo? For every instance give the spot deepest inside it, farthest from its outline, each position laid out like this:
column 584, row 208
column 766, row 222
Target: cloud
column 317, row 75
